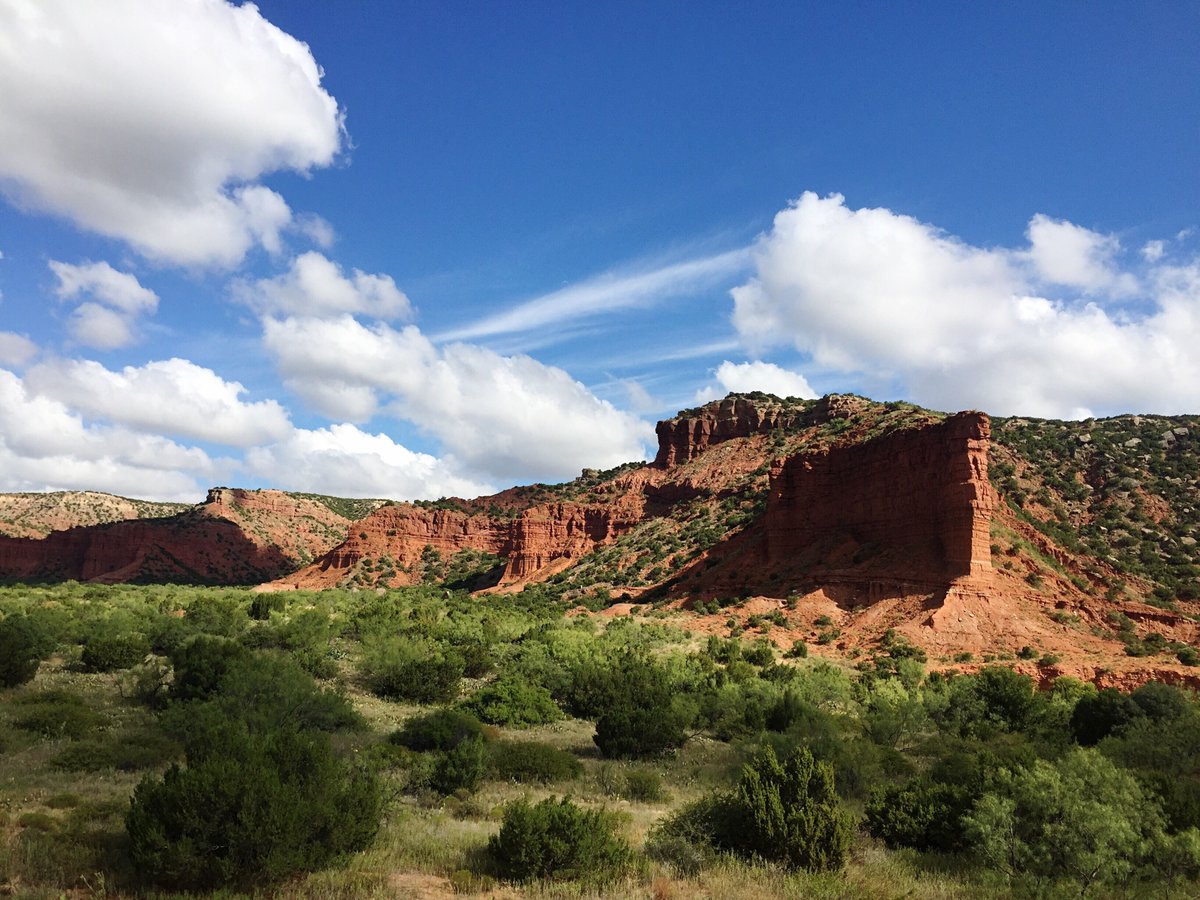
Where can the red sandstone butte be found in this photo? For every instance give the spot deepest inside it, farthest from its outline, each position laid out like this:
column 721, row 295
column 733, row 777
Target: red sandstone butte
column 918, row 498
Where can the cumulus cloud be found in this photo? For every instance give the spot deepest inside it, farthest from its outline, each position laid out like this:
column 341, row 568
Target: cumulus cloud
column 317, row 286
column 172, row 396
column 505, row 417
column 1068, row 254
column 755, row 376
column 152, row 120
column 876, row 295
column 114, row 301
column 345, row 461
column 45, row 446
column 16, row 349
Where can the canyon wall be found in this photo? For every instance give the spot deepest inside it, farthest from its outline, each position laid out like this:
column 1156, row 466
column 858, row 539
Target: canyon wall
column 528, row 541
column 235, row 537
column 919, row 497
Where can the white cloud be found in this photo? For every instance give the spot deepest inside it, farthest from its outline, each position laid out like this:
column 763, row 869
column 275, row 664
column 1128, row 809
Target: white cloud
column 756, row 376
column 605, row 294
column 172, row 396
column 1070, row 255
column 116, row 299
column 44, row 446
column 102, row 282
column 345, row 461
column 151, row 120
column 505, row 417
column 16, row 349
column 316, row 286
column 98, row 326
column 879, row 296
column 1153, row 251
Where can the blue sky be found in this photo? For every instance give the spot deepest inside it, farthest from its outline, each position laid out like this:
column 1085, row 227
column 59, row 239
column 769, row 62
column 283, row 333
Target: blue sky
column 411, row 250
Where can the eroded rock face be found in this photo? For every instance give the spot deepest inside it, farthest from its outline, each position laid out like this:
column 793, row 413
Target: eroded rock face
column 235, row 537
column 685, row 437
column 922, row 495
column 545, row 534
column 688, row 435
column 529, row 542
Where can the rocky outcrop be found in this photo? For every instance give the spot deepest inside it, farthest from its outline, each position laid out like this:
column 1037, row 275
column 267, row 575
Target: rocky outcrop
column 691, row 433
column 545, row 534
column 686, row 436
column 918, row 499
column 529, row 542
column 235, row 537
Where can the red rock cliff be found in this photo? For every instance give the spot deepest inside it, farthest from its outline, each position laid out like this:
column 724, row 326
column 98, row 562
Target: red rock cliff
column 235, row 537
column 920, row 496
column 529, row 541
column 687, row 436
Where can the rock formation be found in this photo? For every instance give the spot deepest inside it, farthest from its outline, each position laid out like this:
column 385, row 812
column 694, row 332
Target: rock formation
column 919, row 499
column 235, row 537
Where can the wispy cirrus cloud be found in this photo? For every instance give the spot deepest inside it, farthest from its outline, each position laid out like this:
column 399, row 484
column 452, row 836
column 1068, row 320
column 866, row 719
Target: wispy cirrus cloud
column 606, row 294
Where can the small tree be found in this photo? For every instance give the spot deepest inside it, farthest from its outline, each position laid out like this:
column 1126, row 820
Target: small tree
column 791, row 812
column 250, row 807
column 556, row 838
column 1082, row 818
column 20, row 651
column 642, row 717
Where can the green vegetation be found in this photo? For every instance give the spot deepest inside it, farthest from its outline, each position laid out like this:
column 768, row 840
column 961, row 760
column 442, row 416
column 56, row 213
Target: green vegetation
column 335, row 744
column 1123, row 490
column 556, row 838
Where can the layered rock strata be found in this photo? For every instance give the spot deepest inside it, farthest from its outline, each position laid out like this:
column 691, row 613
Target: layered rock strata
column 920, row 498
column 235, row 537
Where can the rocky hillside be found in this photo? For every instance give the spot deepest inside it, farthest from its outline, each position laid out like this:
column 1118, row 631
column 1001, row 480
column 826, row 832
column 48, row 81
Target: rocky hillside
column 36, row 515
column 234, row 537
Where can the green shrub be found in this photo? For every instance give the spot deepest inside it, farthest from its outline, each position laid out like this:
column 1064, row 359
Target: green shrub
column 57, row 713
column 442, row 729
column 1098, row 715
column 1081, row 817
column 264, row 604
column 526, row 761
column 21, row 646
column 515, row 703
column 271, row 688
column 798, row 650
column 923, row 814
column 460, row 768
column 643, row 786
column 791, row 813
column 1189, row 656
column 263, row 690
column 787, row 813
column 250, row 808
column 995, row 699
column 642, row 717
column 200, row 662
column 556, row 838
column 109, row 649
column 400, row 668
